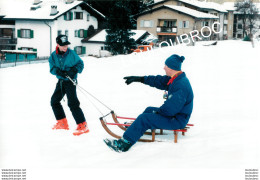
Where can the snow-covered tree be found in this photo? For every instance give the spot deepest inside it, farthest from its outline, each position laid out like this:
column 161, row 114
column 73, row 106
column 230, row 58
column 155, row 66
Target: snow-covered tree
column 248, row 13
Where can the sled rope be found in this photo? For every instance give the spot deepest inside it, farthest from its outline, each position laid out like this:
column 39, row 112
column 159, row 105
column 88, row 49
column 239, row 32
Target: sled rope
column 85, row 91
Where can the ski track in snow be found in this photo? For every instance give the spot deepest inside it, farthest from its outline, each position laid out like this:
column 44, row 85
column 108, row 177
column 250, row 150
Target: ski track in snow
column 225, row 81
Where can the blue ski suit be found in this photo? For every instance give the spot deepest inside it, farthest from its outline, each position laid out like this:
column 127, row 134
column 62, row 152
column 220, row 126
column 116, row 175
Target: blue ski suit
column 173, row 114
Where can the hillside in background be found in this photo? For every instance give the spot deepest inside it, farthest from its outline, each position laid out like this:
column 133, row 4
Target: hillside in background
column 222, row 144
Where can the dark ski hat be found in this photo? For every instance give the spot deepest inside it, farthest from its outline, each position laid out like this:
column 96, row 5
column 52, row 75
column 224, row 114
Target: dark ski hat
column 62, row 40
column 174, row 62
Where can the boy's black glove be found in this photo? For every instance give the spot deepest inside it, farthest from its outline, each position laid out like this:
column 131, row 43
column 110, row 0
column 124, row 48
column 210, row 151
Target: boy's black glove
column 72, row 72
column 130, row 79
column 61, row 73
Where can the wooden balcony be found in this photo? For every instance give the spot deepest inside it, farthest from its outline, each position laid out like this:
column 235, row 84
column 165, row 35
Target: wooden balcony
column 8, row 41
column 166, row 30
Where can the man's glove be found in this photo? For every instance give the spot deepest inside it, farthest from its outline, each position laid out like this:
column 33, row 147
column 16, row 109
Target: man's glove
column 61, row 73
column 130, row 79
column 72, row 72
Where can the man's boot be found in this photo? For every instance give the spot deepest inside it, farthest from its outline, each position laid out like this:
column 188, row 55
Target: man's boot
column 120, row 145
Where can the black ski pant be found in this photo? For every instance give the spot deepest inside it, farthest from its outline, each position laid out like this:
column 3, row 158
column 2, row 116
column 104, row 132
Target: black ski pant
column 66, row 87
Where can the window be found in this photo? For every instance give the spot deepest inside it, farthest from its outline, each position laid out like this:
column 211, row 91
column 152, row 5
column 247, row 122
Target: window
column 169, row 23
column 25, row 48
column 68, row 16
column 88, row 16
column 146, row 23
column 67, row 33
column 25, row 33
column 179, row 3
column 239, row 26
column 78, row 15
column 6, row 32
column 81, row 33
column 185, row 24
column 204, row 23
column 59, row 32
column 80, row 49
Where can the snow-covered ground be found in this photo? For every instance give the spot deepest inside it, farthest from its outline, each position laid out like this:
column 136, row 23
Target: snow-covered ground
column 222, row 144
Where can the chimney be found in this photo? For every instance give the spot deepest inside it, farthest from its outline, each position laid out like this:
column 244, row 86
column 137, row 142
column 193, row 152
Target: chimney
column 69, row 1
column 36, row 5
column 54, row 10
column 36, row 2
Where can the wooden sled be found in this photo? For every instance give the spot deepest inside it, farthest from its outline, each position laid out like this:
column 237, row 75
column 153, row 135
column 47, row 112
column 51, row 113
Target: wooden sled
column 123, row 127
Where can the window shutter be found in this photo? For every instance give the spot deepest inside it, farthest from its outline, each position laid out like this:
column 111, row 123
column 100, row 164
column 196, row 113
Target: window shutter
column 85, row 33
column 78, row 33
column 71, row 15
column 180, row 24
column 31, row 34
column 83, row 50
column 187, row 24
column 65, row 16
column 34, row 50
column 19, row 33
column 142, row 23
column 75, row 48
column 151, row 23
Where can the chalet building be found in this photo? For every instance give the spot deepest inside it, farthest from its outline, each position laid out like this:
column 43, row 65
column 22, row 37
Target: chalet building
column 169, row 21
column 36, row 26
column 183, row 16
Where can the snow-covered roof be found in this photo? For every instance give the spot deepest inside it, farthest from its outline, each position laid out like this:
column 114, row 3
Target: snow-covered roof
column 199, row 4
column 185, row 10
column 101, row 36
column 192, row 12
column 229, row 6
column 22, row 10
column 205, row 5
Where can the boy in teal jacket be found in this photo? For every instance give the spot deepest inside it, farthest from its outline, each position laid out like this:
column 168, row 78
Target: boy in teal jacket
column 65, row 62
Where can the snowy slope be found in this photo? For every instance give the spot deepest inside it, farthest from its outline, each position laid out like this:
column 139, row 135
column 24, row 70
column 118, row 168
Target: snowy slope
column 225, row 80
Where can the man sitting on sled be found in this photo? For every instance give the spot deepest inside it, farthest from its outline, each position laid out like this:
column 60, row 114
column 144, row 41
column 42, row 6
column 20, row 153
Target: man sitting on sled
column 173, row 114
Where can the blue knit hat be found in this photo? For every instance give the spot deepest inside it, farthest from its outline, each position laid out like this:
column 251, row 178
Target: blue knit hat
column 174, row 62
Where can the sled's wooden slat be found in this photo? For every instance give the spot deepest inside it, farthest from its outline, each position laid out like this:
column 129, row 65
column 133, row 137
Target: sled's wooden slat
column 153, row 132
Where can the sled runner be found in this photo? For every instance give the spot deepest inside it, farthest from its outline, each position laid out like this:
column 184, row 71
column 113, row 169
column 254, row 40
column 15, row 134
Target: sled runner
column 124, row 126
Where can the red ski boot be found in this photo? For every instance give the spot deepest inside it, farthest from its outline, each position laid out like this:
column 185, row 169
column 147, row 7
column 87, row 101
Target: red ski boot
column 82, row 128
column 61, row 124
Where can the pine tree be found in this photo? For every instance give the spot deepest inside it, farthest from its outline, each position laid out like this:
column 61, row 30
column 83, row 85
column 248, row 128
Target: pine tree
column 119, row 25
